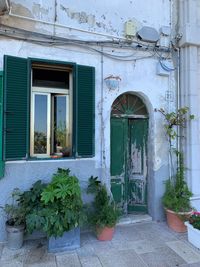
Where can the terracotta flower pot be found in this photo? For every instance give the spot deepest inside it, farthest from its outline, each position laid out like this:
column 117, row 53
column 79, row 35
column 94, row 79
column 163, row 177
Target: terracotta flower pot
column 175, row 220
column 105, row 234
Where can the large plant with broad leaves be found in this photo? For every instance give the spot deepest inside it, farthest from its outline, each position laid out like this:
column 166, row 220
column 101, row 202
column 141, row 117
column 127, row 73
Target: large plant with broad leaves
column 62, row 203
column 56, row 207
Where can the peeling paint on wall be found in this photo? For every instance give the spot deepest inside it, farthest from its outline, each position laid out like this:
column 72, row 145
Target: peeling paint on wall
column 90, row 19
column 38, row 10
column 80, row 17
column 21, row 10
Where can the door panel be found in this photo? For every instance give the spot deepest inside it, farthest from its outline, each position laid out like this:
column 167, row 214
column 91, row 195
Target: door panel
column 119, row 130
column 129, row 163
column 137, row 165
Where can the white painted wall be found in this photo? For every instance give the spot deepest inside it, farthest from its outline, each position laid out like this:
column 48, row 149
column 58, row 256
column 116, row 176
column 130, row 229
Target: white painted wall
column 97, row 20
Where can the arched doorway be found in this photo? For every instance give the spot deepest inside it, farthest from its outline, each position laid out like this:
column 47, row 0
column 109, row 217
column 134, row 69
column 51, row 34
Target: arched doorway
column 129, row 133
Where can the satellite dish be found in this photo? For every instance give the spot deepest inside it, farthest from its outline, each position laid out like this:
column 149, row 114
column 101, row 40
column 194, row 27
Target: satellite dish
column 148, row 34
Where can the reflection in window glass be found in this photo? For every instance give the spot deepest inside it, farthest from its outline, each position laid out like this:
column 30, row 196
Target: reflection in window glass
column 60, row 124
column 40, row 125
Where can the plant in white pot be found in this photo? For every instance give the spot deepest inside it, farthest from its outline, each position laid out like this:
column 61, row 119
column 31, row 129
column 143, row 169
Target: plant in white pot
column 193, row 227
column 15, row 222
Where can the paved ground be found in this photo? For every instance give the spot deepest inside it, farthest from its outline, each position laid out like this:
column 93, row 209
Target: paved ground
column 137, row 245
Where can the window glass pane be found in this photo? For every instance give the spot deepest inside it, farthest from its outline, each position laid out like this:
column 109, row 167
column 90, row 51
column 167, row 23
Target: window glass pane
column 40, row 124
column 60, row 125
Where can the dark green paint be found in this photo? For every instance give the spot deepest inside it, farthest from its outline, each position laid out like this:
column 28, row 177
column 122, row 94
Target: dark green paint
column 119, row 129
column 118, row 146
column 17, row 88
column 15, row 107
column 137, row 184
column 2, row 164
column 85, row 96
column 52, row 62
column 128, row 163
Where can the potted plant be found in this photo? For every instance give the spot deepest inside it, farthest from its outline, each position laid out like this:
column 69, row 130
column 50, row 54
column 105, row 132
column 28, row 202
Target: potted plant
column 104, row 214
column 193, row 227
column 15, row 223
column 176, row 199
column 57, row 210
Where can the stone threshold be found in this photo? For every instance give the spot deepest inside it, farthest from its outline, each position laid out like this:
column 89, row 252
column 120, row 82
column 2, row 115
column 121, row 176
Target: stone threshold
column 134, row 218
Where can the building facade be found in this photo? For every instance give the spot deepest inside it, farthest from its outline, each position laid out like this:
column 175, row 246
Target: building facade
column 80, row 84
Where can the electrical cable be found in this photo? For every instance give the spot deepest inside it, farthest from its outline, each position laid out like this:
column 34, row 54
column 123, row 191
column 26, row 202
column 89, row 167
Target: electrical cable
column 44, row 39
column 165, row 67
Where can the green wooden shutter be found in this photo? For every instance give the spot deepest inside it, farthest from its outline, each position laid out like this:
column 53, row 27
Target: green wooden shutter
column 15, row 107
column 85, row 110
column 1, row 126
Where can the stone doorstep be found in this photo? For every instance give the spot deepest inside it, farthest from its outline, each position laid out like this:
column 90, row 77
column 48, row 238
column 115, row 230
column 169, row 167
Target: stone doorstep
column 134, row 218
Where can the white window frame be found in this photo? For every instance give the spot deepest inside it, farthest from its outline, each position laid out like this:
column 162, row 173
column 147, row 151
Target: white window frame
column 69, row 102
column 33, row 124
column 68, row 141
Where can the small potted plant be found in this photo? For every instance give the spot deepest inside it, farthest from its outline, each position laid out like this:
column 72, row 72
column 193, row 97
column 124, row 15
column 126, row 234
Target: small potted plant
column 193, row 227
column 15, row 223
column 104, row 214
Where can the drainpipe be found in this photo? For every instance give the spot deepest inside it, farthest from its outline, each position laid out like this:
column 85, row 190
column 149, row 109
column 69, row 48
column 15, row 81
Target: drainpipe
column 102, row 124
column 4, row 7
column 178, row 95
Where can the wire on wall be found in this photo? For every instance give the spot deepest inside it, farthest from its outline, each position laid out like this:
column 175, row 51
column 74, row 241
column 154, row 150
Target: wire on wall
column 90, row 45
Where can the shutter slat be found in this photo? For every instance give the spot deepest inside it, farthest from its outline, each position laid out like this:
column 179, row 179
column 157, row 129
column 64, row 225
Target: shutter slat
column 85, row 110
column 16, row 97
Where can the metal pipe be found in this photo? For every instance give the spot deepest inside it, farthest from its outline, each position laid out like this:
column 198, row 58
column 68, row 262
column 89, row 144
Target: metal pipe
column 101, row 114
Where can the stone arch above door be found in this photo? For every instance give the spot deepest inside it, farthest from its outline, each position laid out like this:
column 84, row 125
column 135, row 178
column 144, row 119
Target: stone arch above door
column 128, row 104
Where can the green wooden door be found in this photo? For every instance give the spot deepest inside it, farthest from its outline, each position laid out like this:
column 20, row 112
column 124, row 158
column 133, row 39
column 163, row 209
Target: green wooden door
column 129, row 164
column 137, row 166
column 119, row 130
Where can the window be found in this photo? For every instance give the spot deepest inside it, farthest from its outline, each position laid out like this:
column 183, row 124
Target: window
column 51, row 113
column 48, row 109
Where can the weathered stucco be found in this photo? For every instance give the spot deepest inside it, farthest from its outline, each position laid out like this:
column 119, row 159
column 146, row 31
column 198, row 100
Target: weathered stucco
column 190, row 96
column 97, row 20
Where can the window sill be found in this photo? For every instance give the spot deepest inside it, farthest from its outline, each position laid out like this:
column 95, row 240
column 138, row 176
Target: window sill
column 43, row 160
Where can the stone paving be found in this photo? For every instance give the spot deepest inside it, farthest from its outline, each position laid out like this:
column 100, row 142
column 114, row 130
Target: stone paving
column 136, row 245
